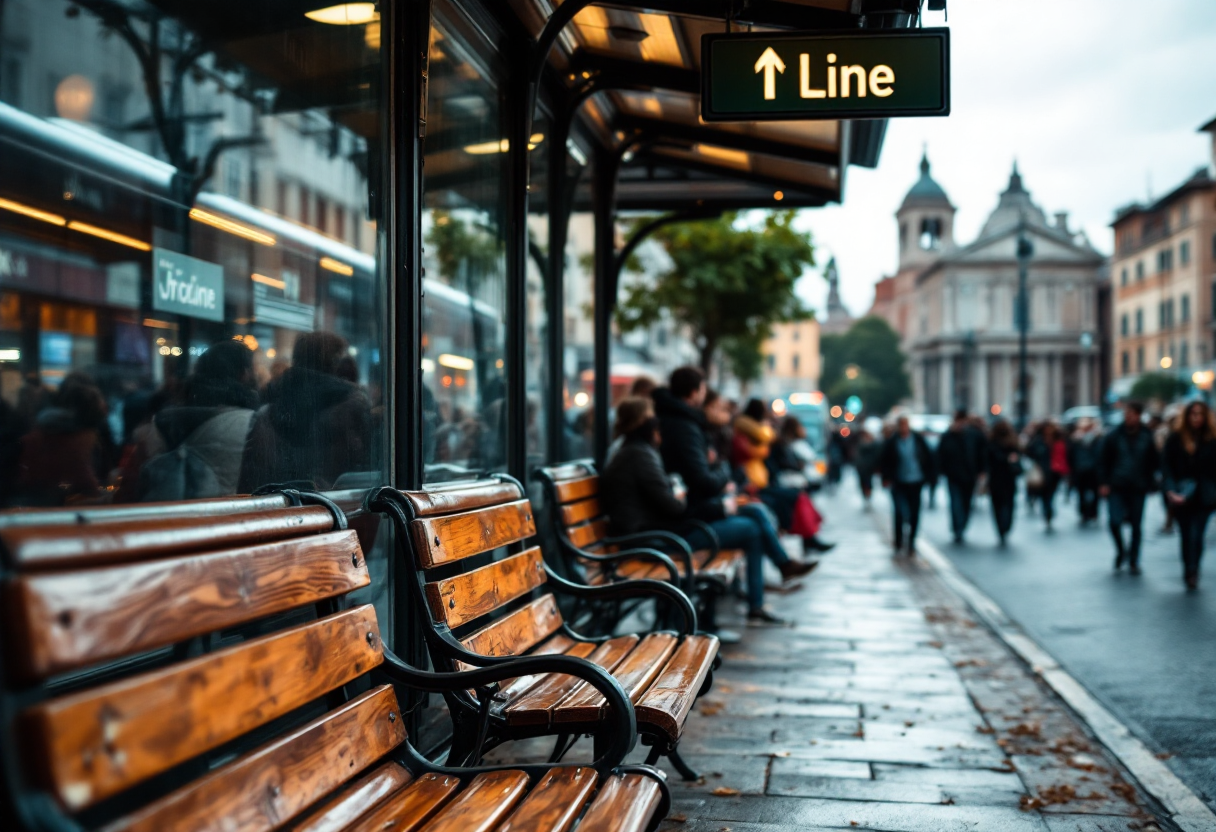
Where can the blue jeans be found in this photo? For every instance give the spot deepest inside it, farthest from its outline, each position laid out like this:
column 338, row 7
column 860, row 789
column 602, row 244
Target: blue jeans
column 751, row 531
column 960, row 505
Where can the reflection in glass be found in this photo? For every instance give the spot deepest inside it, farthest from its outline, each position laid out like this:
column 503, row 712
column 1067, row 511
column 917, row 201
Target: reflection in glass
column 189, row 283
column 463, row 367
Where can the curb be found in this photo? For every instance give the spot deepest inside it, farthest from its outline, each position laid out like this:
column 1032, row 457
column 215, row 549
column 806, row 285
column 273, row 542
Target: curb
column 1184, row 807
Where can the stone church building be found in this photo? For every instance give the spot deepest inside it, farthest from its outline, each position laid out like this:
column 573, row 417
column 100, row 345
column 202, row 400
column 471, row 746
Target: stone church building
column 954, row 305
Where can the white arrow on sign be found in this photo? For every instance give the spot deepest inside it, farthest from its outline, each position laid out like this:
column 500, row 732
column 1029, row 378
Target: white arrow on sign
column 769, row 61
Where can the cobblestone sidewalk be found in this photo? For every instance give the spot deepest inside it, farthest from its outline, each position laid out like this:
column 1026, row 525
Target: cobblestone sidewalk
column 887, row 706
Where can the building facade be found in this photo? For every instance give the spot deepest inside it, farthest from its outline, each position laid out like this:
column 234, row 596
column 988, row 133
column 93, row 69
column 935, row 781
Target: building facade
column 1163, row 273
column 955, row 305
column 791, row 358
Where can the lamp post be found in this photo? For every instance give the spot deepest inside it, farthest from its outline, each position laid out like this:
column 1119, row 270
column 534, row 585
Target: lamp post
column 1025, row 251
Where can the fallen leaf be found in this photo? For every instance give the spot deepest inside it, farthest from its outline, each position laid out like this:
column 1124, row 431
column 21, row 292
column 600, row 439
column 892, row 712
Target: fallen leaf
column 680, row 818
column 1058, row 795
column 711, row 707
column 860, row 732
column 724, row 791
column 1164, row 755
column 1027, row 803
column 854, row 823
column 1124, row 791
column 908, row 723
column 985, row 729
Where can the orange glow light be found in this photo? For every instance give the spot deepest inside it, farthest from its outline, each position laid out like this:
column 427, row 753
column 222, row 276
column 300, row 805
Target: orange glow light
column 995, row 410
column 121, row 239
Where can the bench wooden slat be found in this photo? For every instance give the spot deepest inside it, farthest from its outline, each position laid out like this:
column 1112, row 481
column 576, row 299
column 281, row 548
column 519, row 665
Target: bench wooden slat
column 635, row 673
column 560, row 643
column 205, row 507
column 463, row 598
column 667, row 702
column 71, row 619
column 484, row 803
column 412, row 807
column 353, row 802
column 555, row 803
column 589, row 534
column 535, row 707
column 579, row 489
column 626, row 803
column 270, row 786
column 583, row 510
column 53, row 547
column 464, row 497
column 570, row 470
column 453, row 537
column 513, row 634
column 106, row 739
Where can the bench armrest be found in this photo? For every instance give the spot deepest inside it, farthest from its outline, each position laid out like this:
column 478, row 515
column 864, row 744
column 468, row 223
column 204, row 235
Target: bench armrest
column 630, row 589
column 620, row 735
column 636, row 554
column 682, row 550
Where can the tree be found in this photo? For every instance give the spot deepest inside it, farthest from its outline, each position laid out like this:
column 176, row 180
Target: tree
column 726, row 281
column 744, row 357
column 1160, row 386
column 872, row 347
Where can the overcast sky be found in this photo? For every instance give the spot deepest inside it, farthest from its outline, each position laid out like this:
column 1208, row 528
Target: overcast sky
column 1098, row 100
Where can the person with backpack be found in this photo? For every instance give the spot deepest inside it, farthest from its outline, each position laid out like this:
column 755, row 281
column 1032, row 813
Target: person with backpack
column 194, row 449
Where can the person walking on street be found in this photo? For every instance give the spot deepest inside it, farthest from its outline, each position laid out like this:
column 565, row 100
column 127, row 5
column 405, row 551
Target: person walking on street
column 866, row 463
column 1004, row 464
column 960, row 459
column 1127, row 472
column 1083, row 460
column 1050, row 452
column 907, row 465
column 1189, row 481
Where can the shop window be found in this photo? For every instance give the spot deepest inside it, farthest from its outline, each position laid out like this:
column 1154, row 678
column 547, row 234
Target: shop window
column 464, row 237
column 178, row 334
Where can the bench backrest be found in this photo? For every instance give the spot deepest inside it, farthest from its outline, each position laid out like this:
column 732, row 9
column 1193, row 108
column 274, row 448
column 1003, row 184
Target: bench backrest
column 492, row 608
column 574, row 490
column 191, row 673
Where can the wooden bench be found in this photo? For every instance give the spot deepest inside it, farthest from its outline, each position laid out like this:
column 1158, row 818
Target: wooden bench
column 204, row 672
column 485, row 607
column 581, row 527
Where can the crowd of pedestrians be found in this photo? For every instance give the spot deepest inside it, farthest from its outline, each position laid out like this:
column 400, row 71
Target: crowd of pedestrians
column 1175, row 456
column 686, row 461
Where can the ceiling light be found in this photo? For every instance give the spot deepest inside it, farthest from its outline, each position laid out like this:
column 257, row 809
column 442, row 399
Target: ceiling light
column 224, row 224
column 45, row 216
column 737, row 158
column 456, row 362
column 268, row 281
column 121, row 239
column 345, row 14
column 337, row 266
column 485, row 148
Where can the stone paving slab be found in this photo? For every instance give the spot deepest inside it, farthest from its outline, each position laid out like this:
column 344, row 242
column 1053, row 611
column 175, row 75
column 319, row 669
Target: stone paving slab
column 886, row 707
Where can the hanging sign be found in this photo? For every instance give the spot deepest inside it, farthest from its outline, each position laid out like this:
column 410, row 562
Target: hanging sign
column 187, row 285
column 825, row 75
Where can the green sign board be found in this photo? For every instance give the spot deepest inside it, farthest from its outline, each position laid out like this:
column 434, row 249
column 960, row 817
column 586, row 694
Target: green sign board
column 825, row 75
column 187, row 285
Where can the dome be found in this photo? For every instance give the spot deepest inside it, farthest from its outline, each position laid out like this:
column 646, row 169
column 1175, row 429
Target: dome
column 1015, row 206
column 926, row 192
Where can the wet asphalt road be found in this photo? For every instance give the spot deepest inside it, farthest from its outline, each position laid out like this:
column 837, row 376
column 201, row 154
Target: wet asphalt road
column 1144, row 646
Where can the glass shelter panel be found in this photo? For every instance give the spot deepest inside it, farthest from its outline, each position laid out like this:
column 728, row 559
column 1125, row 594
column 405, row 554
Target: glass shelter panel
column 190, row 225
column 463, row 230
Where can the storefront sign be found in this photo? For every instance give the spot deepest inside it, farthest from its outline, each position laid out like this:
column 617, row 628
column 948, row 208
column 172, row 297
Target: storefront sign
column 187, row 285
column 838, row 75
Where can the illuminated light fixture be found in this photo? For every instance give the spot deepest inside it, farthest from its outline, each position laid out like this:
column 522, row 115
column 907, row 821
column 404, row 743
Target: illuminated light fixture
column 121, row 239
column 536, row 138
column 272, row 352
column 1203, row 379
column 738, row 158
column 25, row 210
column 345, row 14
column 836, row 411
column 581, row 399
column 1166, row 363
column 845, row 432
column 848, row 417
column 661, row 46
column 268, row 281
column 371, row 35
column 486, row 148
column 251, row 342
column 10, row 355
column 498, row 363
column 428, row 366
column 224, row 224
column 176, row 350
column 163, row 350
column 778, row 195
column 779, row 407
column 456, row 362
column 337, row 266
column 995, row 410
column 447, row 381
column 155, row 324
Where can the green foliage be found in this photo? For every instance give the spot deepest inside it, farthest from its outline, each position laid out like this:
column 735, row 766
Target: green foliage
column 465, row 251
column 872, row 346
column 743, row 355
column 1160, row 386
column 728, row 284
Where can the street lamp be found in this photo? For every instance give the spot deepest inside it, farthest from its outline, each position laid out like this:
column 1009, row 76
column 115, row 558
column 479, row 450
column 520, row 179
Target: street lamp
column 1025, row 252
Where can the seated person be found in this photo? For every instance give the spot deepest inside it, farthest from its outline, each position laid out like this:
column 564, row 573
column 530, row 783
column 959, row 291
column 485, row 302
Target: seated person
column 684, row 448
